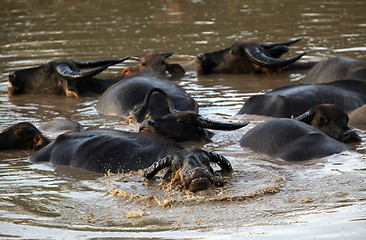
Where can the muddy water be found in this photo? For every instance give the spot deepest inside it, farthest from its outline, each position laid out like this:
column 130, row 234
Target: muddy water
column 265, row 198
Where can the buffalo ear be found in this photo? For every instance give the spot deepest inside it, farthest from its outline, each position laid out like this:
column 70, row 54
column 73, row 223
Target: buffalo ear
column 175, row 69
column 126, row 72
column 37, row 142
column 129, row 71
column 72, row 93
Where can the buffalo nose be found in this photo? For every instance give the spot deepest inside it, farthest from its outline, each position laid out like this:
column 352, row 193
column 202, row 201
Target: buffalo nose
column 351, row 136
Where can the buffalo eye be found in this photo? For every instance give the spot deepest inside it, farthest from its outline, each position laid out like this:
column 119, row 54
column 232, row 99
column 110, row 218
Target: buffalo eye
column 45, row 69
column 19, row 132
column 151, row 122
column 234, row 52
column 143, row 64
column 322, row 120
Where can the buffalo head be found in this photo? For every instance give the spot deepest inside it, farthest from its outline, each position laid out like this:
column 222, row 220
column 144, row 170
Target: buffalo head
column 154, row 62
column 246, row 57
column 22, row 136
column 194, row 168
column 58, row 77
column 180, row 125
column 331, row 120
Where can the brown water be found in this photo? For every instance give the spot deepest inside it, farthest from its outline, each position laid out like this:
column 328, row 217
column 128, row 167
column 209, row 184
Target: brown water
column 266, row 198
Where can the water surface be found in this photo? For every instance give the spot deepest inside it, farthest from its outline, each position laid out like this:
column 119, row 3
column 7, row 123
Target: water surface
column 266, row 198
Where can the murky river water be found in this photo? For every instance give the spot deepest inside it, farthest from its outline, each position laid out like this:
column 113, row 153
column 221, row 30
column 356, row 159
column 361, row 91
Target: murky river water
column 266, row 198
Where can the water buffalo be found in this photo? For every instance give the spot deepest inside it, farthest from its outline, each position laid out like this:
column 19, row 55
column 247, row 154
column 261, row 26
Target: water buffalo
column 291, row 140
column 331, row 120
column 336, row 68
column 61, row 125
column 193, row 165
column 180, row 125
column 154, row 62
column 22, row 136
column 125, row 96
column 358, row 117
column 62, row 77
column 294, row 100
column 114, row 151
column 246, row 57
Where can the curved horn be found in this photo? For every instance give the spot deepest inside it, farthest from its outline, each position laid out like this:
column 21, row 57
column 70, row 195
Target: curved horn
column 259, row 58
column 288, row 43
column 157, row 166
column 210, row 124
column 141, row 112
column 220, row 160
column 306, row 117
column 69, row 74
column 135, row 57
column 101, row 63
column 65, row 71
column 167, row 54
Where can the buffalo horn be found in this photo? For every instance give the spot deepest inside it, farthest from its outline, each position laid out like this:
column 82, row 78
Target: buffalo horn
column 305, row 116
column 220, row 160
column 210, row 124
column 135, row 57
column 101, row 63
column 260, row 59
column 288, row 43
column 141, row 112
column 167, row 54
column 157, row 166
column 69, row 74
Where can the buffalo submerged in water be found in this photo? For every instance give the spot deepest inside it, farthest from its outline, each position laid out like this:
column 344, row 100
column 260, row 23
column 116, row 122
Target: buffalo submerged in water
column 294, row 100
column 248, row 57
column 336, row 68
column 124, row 97
column 63, row 77
column 179, row 125
column 154, row 62
column 317, row 133
column 23, row 135
column 117, row 151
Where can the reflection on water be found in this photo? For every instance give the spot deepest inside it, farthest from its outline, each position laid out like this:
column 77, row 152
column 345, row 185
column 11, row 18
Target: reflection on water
column 265, row 198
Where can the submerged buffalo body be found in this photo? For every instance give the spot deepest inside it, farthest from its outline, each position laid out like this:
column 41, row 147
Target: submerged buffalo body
column 336, row 68
column 154, row 62
column 126, row 96
column 291, row 140
column 62, row 77
column 106, row 150
column 294, row 100
column 22, row 136
column 246, row 57
column 116, row 151
column 179, row 125
column 358, row 117
column 331, row 120
column 61, row 125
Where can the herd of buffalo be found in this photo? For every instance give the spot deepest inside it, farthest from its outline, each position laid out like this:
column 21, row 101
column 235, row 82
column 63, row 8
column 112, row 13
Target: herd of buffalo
column 310, row 119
